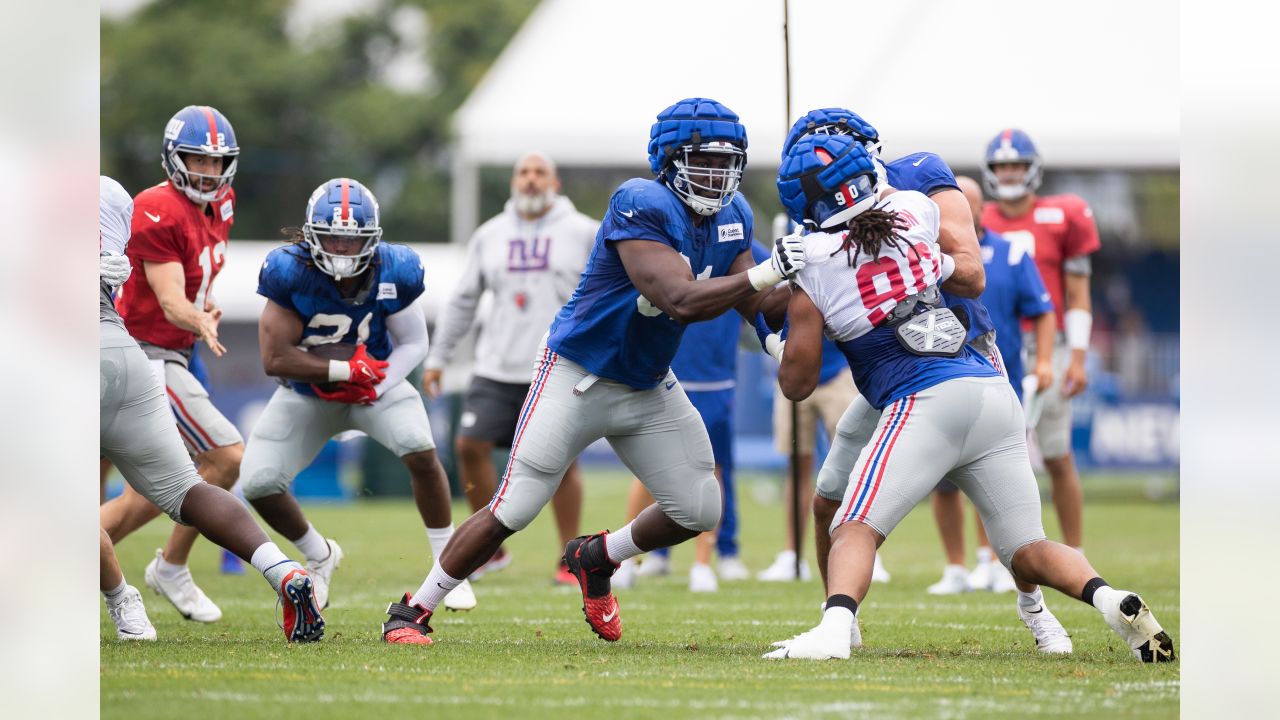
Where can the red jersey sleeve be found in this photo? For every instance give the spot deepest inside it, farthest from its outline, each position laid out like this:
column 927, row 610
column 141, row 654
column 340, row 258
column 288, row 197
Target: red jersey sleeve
column 1082, row 232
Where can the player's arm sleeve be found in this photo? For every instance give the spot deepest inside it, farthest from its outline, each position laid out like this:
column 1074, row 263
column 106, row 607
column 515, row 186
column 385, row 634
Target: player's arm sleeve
column 934, row 175
column 408, row 330
column 1083, row 236
column 631, row 217
column 457, row 315
column 272, row 283
column 1033, row 298
column 115, row 216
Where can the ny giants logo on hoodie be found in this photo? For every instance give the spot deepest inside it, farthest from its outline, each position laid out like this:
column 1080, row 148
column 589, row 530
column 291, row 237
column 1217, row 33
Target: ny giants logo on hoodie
column 528, row 255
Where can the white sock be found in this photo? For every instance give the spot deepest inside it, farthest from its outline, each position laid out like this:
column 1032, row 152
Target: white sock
column 114, row 595
column 1106, row 597
column 435, row 587
column 985, row 554
column 1030, row 601
column 438, row 538
column 312, row 545
column 168, row 570
column 619, row 546
column 266, row 556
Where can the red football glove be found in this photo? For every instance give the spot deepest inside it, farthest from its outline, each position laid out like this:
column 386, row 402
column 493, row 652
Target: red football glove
column 366, row 371
column 349, row 393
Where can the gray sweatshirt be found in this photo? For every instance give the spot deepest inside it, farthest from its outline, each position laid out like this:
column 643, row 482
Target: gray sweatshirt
column 531, row 268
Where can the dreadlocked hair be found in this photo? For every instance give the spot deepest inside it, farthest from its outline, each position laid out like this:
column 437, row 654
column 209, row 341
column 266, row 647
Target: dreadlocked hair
column 872, row 230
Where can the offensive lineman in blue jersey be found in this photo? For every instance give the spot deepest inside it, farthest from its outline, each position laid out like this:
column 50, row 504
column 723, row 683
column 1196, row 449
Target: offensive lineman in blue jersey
column 670, row 251
column 339, row 284
column 928, row 174
column 946, row 409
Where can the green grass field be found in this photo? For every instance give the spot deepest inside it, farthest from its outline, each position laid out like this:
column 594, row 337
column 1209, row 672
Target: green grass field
column 526, row 652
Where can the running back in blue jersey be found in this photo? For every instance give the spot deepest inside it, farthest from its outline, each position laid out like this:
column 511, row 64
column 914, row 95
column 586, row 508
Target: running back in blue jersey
column 607, row 326
column 1014, row 291
column 393, row 281
column 927, row 173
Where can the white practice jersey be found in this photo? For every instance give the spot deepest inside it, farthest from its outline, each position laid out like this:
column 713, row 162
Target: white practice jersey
column 531, row 268
column 853, row 300
column 115, row 216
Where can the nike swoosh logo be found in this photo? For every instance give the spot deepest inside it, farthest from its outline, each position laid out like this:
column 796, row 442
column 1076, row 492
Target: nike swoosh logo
column 154, row 218
column 627, row 214
column 917, row 163
column 670, row 385
column 441, row 586
column 609, row 616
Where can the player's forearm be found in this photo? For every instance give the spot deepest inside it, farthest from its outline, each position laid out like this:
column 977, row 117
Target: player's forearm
column 290, row 363
column 1078, row 318
column 182, row 313
column 1045, row 329
column 969, row 278
column 692, row 301
column 957, row 238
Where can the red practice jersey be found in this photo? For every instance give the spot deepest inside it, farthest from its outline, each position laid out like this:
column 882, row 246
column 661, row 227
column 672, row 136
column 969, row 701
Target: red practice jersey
column 168, row 227
column 1058, row 227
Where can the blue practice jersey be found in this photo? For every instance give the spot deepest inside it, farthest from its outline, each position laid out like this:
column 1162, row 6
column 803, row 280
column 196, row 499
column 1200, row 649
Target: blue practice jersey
column 709, row 351
column 1014, row 291
column 393, row 281
column 607, row 326
column 928, row 173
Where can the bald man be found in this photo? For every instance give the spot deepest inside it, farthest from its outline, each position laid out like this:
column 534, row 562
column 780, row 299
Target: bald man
column 1014, row 291
column 529, row 259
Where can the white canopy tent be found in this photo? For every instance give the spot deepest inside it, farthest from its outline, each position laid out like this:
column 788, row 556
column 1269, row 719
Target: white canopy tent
column 1094, row 82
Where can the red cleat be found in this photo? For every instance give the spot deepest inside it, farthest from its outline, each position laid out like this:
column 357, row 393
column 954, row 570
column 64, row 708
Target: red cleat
column 407, row 624
column 302, row 620
column 598, row 603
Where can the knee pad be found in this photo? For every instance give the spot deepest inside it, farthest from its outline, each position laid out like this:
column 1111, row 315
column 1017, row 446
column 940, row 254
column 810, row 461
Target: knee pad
column 261, row 482
column 699, row 508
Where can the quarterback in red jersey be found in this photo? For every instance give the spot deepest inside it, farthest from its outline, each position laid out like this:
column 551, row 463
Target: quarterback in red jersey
column 1059, row 232
column 180, row 230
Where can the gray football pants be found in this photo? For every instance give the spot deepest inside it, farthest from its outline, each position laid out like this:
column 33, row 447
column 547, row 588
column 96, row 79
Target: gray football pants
column 656, row 433
column 137, row 432
column 969, row 429
column 294, row 427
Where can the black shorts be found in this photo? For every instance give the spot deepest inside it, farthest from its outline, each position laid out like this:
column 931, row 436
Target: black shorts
column 490, row 411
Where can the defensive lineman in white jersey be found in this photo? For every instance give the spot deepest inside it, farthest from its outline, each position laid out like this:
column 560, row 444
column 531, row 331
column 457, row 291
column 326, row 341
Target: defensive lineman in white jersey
column 944, row 408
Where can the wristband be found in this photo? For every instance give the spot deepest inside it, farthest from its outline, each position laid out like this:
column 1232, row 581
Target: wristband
column 948, row 268
column 763, row 275
column 339, row 371
column 1078, row 325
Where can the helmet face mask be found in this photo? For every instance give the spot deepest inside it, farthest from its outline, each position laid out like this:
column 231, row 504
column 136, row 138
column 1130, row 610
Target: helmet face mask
column 1009, row 149
column 199, row 131
column 342, row 231
column 706, row 177
column 699, row 150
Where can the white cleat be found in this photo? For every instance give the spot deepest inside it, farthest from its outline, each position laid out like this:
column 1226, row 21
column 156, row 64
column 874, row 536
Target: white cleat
column 1051, row 638
column 624, row 577
column 819, row 643
column 183, row 592
column 130, row 616
column 702, row 579
column 1132, row 620
column 980, row 578
column 732, row 569
column 1001, row 579
column 461, row 597
column 855, row 634
column 955, row 580
column 321, row 572
column 784, row 568
column 878, row 573
column 654, row 566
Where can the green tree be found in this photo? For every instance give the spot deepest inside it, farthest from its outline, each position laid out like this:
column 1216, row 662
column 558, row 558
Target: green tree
column 304, row 109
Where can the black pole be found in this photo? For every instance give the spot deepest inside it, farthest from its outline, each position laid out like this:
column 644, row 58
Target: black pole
column 797, row 537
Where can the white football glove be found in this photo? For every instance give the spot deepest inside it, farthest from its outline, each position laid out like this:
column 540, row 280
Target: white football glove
column 114, row 269
column 787, row 260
